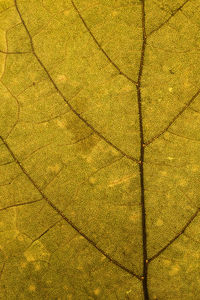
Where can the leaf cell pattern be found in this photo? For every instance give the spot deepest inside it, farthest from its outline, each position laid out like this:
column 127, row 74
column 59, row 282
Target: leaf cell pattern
column 99, row 139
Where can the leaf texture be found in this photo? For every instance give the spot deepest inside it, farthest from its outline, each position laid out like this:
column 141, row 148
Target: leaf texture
column 99, row 149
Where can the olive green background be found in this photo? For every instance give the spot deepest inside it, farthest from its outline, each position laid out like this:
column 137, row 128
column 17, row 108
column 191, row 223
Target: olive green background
column 88, row 53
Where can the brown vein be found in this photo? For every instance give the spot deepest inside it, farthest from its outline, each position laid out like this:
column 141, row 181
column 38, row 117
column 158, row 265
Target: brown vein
column 176, row 237
column 19, row 204
column 174, row 118
column 44, row 232
column 141, row 168
column 6, row 163
column 168, row 19
column 184, row 137
column 66, row 101
column 2, row 269
column 17, row 52
column 59, row 212
column 99, row 46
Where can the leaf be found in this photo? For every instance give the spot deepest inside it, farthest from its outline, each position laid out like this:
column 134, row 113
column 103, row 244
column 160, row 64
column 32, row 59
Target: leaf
column 99, row 129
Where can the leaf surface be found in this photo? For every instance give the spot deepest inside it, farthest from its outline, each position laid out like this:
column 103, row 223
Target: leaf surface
column 99, row 149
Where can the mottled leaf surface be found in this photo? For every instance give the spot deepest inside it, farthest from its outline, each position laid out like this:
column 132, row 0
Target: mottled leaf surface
column 99, row 149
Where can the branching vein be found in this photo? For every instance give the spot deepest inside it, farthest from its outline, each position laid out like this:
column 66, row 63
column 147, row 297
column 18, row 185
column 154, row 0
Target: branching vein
column 174, row 118
column 176, row 237
column 100, row 47
column 67, row 101
column 59, row 212
column 169, row 18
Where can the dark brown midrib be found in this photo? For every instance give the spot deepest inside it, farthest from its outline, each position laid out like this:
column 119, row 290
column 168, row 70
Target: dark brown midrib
column 141, row 169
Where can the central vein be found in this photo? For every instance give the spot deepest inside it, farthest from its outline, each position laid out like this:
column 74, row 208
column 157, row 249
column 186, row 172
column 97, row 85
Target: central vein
column 141, row 169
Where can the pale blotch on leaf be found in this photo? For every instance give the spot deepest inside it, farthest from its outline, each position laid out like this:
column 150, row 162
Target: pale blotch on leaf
column 187, row 84
column 89, row 159
column 121, row 180
column 187, row 78
column 182, row 182
column 20, row 238
column 128, row 292
column 115, row 13
column 53, row 169
column 159, row 222
column 164, row 173
column 37, row 267
column 80, row 268
column 170, row 89
column 127, row 88
column 23, row 265
column 103, row 258
column 113, row 151
column 36, row 252
column 29, row 257
column 92, row 180
column 166, row 262
column 135, row 217
column 61, row 78
column 61, row 124
column 32, row 288
column 195, row 168
column 97, row 291
column 165, row 68
column 170, row 158
column 174, row 270
column 66, row 12
column 144, row 91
